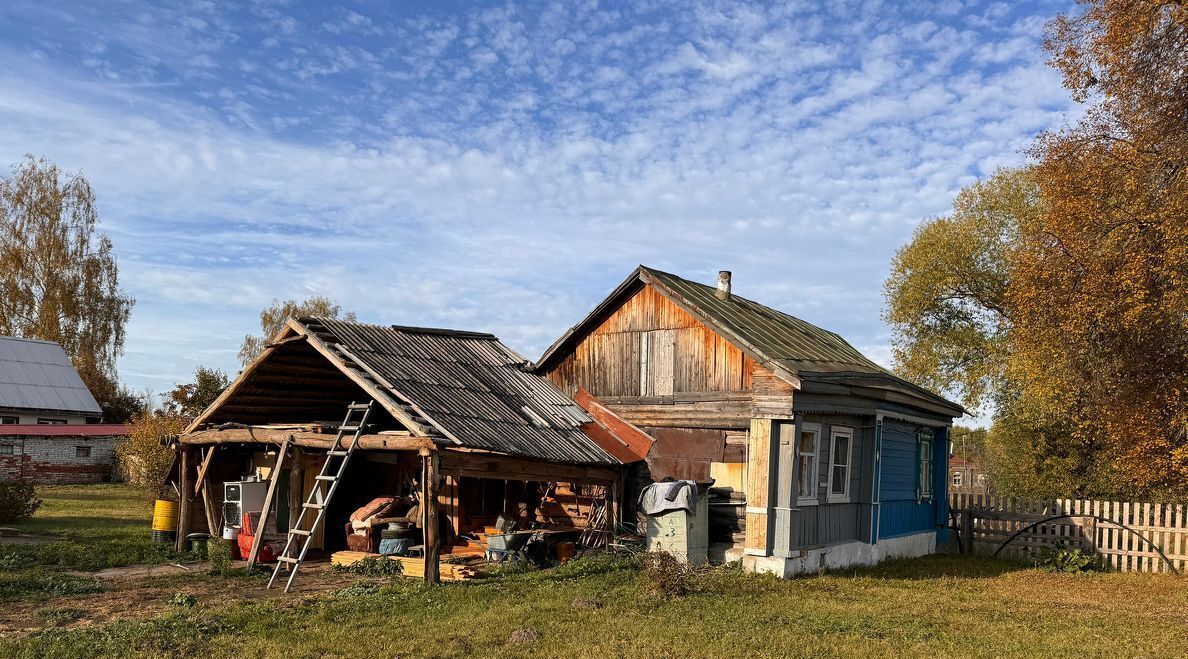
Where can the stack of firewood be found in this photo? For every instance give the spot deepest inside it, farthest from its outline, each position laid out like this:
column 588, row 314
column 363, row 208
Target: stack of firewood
column 727, row 515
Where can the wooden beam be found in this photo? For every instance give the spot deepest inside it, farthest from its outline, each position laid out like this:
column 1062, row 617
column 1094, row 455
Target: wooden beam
column 273, row 479
column 429, row 487
column 186, row 495
column 202, row 470
column 212, row 524
column 491, row 465
column 317, row 440
column 759, row 480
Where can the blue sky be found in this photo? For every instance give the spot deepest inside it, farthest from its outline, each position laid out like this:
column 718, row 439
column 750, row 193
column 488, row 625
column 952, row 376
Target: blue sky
column 502, row 167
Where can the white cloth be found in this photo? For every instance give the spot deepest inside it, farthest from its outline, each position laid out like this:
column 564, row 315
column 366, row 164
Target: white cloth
column 660, row 498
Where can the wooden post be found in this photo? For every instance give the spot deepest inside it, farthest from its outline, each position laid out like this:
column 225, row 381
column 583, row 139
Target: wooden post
column 204, row 489
column 273, row 479
column 429, row 490
column 186, row 492
column 759, row 477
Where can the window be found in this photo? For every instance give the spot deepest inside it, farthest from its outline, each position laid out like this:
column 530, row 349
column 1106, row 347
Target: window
column 924, row 448
column 957, row 478
column 82, row 451
column 7, row 449
column 9, row 420
column 841, row 451
column 51, row 422
column 806, row 464
column 981, row 479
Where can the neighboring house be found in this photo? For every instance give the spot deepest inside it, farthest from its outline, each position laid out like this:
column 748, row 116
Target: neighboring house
column 59, row 454
column 49, row 430
column 839, row 458
column 967, row 477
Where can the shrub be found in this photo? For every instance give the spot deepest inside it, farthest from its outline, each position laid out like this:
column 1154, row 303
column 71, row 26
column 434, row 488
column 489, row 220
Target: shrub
column 1063, row 558
column 373, row 566
column 666, row 576
column 18, row 501
column 143, row 460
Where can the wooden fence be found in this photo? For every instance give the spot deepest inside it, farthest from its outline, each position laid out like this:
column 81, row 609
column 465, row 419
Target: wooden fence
column 1125, row 536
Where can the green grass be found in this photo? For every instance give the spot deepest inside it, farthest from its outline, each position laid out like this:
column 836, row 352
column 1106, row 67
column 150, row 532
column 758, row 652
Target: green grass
column 947, row 605
column 100, row 526
column 603, row 607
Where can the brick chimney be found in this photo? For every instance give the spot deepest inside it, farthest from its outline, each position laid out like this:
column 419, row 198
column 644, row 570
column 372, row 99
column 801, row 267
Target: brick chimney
column 723, row 292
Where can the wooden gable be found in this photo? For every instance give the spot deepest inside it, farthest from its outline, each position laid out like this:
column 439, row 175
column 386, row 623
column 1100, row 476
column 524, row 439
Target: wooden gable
column 649, row 347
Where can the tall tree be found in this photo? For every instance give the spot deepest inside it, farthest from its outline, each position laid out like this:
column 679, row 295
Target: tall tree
column 189, row 400
column 273, row 318
column 58, row 277
column 1100, row 286
column 947, row 292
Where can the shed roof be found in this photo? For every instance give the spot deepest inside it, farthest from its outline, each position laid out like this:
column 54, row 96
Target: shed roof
column 37, row 375
column 464, row 389
column 792, row 348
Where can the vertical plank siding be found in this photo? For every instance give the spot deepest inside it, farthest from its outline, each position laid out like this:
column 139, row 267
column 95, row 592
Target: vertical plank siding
column 651, row 347
column 1117, row 542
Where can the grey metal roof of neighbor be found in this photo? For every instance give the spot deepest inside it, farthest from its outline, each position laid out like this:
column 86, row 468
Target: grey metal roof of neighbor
column 37, row 375
column 775, row 339
column 470, row 385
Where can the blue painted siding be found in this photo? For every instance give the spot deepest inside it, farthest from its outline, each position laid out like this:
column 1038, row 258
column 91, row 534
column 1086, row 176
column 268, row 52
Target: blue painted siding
column 900, row 512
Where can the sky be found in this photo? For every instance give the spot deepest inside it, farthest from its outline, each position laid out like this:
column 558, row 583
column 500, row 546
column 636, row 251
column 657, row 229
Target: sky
column 502, row 167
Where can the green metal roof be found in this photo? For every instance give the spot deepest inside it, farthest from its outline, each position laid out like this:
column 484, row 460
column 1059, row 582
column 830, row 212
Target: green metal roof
column 793, row 348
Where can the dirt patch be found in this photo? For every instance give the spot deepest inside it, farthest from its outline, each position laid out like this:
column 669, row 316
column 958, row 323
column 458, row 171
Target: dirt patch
column 143, row 591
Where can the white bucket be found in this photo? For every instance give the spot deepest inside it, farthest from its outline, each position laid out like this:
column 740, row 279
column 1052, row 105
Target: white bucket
column 230, row 533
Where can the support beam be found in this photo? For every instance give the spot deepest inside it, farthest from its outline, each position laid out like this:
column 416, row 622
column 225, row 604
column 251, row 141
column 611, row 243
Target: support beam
column 307, row 439
column 202, row 470
column 273, row 479
column 761, row 465
column 185, row 489
column 474, row 464
column 429, row 489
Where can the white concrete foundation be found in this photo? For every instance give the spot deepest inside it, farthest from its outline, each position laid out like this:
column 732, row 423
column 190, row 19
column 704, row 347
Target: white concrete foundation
column 843, row 555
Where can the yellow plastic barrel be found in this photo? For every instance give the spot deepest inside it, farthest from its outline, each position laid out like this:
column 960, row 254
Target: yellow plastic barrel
column 164, row 521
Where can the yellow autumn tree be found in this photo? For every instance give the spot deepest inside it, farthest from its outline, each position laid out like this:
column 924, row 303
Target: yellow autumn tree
column 1099, row 286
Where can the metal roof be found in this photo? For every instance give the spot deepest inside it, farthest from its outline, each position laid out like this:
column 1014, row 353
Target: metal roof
column 37, row 375
column 791, row 347
column 472, row 387
column 64, row 429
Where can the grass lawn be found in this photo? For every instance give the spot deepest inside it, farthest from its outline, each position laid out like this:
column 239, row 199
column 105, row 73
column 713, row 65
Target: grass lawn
column 603, row 607
column 85, row 527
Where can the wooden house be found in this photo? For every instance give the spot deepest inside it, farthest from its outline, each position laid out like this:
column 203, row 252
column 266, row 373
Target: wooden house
column 460, row 424
column 840, row 461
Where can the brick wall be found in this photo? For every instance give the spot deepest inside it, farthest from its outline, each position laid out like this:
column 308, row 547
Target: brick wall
column 55, row 460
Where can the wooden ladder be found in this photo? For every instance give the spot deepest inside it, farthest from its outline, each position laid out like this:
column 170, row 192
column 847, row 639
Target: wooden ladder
column 294, row 552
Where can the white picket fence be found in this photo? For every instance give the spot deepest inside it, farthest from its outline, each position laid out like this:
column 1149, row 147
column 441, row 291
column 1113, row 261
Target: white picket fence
column 1126, row 536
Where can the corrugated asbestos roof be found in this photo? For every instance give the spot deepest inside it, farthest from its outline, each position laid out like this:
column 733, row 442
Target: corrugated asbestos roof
column 777, row 340
column 473, row 387
column 37, row 375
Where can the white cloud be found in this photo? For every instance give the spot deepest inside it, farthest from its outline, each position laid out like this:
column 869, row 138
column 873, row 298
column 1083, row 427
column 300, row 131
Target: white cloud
column 502, row 170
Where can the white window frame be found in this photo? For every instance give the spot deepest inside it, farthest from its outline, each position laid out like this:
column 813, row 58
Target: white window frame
column 925, row 467
column 814, row 428
column 834, row 433
column 958, row 478
column 9, row 420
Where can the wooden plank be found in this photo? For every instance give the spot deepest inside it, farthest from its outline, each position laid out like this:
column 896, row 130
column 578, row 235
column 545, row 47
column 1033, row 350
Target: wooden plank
column 186, row 496
column 759, row 476
column 208, row 505
column 273, row 479
column 205, row 465
column 263, row 435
